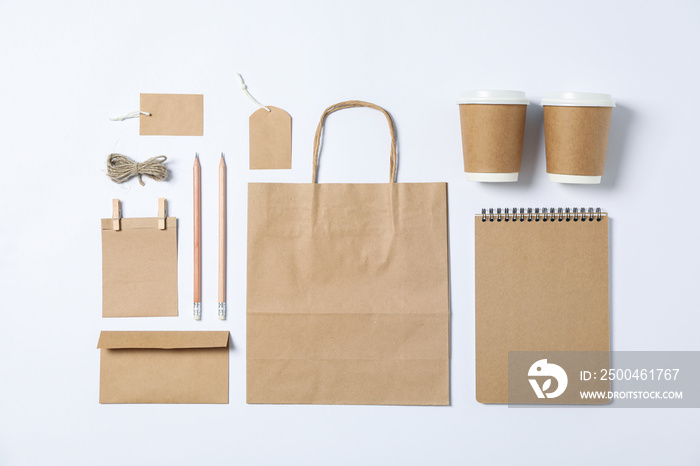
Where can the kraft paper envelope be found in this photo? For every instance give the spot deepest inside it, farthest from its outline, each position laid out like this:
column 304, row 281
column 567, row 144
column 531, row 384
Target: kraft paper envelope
column 163, row 367
column 172, row 115
column 139, row 267
column 540, row 286
column 348, row 292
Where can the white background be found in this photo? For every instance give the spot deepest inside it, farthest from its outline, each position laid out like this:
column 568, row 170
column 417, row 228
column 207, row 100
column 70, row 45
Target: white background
column 67, row 66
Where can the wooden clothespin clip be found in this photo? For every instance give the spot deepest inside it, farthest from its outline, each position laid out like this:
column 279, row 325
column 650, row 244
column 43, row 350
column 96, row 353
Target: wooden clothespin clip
column 162, row 213
column 116, row 215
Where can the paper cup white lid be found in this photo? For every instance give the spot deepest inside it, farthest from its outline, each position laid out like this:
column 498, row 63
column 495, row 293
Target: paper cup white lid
column 578, row 99
column 493, row 98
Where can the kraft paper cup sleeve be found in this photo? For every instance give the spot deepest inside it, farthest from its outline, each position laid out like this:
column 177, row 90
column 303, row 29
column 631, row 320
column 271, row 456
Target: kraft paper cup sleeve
column 576, row 127
column 493, row 129
column 576, row 140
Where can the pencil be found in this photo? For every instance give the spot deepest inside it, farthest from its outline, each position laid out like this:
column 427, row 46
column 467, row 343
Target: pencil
column 222, row 238
column 197, row 179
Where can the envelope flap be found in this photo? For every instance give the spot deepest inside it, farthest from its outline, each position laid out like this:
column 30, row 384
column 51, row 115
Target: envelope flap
column 162, row 340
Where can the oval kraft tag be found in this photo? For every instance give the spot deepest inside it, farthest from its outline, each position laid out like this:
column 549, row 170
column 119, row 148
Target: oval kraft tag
column 270, row 139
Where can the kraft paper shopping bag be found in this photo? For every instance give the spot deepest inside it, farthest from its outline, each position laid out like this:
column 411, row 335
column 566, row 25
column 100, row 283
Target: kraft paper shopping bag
column 348, row 292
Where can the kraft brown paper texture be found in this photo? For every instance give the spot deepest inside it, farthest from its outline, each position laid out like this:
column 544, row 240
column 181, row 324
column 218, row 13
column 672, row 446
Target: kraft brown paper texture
column 270, row 139
column 492, row 137
column 139, row 268
column 163, row 367
column 540, row 286
column 172, row 115
column 348, row 294
column 576, row 139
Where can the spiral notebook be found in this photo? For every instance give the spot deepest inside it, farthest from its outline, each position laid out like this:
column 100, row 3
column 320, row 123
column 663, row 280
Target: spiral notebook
column 541, row 285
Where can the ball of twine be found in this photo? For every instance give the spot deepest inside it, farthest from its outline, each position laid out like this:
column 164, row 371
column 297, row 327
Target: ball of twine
column 121, row 168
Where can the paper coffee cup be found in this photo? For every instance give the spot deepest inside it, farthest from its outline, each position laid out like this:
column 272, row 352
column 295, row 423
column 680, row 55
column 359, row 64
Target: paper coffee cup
column 576, row 127
column 493, row 126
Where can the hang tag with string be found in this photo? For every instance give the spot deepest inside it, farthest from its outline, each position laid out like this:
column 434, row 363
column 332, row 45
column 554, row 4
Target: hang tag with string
column 169, row 115
column 270, row 135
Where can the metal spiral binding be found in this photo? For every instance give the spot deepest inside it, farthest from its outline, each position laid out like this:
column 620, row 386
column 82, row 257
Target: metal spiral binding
column 544, row 215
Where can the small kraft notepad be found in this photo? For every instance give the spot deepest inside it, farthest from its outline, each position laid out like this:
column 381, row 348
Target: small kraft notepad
column 541, row 285
column 139, row 264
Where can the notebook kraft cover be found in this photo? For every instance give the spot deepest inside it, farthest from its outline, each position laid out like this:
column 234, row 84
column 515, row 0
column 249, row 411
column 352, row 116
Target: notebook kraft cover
column 540, row 286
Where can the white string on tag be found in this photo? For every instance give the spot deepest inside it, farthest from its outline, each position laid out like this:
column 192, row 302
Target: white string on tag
column 244, row 88
column 130, row 115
